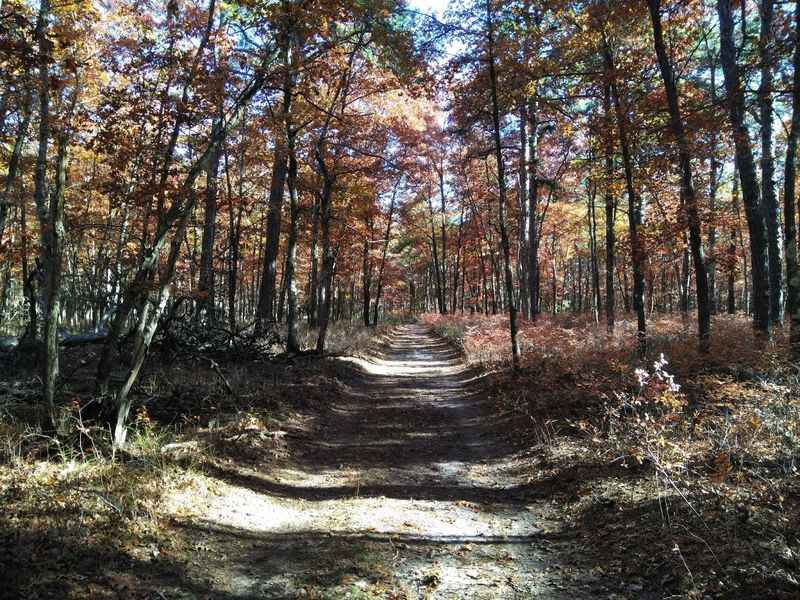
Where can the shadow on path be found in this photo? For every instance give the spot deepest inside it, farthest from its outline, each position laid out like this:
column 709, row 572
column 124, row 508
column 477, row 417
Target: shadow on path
column 400, row 485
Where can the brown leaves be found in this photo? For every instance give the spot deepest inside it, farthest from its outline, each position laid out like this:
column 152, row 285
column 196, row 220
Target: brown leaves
column 721, row 467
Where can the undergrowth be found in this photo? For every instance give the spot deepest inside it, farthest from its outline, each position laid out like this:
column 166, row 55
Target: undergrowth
column 71, row 503
column 700, row 451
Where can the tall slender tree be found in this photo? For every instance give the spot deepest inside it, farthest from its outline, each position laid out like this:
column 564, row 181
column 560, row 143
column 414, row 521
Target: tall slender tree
column 501, row 182
column 769, row 197
column 688, row 197
column 745, row 164
column 790, row 197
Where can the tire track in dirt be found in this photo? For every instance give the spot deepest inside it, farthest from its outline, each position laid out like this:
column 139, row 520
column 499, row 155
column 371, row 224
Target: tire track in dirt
column 403, row 489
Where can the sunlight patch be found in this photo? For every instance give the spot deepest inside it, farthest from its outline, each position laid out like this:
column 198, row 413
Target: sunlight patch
column 376, row 366
column 241, row 508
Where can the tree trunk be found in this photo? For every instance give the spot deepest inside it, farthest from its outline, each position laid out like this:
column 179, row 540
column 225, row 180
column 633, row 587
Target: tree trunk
column 554, row 276
column 768, row 196
column 383, row 256
column 712, row 197
column 463, row 283
column 484, row 285
column 326, row 277
column 234, row 235
column 689, row 199
column 313, row 278
column 207, row 308
column 366, row 274
column 284, row 283
column 51, row 239
column 292, row 343
column 790, row 200
column 14, row 160
column 266, row 299
column 595, row 267
column 634, row 207
column 53, row 253
column 493, row 278
column 534, row 226
column 265, row 311
column 684, row 277
column 436, row 263
column 611, row 209
column 501, row 185
column 747, row 170
column 443, row 260
column 524, row 211
column 457, row 264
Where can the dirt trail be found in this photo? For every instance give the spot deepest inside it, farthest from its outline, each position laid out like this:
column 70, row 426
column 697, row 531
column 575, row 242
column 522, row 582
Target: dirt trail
column 405, row 488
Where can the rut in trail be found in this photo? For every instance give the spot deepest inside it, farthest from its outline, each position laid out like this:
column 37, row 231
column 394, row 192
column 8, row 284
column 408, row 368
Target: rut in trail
column 405, row 489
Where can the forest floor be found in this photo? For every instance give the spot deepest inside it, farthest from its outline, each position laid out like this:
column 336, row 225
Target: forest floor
column 396, row 470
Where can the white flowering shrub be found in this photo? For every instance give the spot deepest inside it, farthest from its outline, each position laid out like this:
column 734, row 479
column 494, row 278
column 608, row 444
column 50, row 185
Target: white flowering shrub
column 659, row 375
column 644, row 419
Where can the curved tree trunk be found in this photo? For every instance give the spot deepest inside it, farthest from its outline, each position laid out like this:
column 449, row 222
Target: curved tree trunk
column 265, row 311
column 688, row 197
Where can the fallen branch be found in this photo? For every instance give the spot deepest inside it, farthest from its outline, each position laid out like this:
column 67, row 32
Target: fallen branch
column 178, row 447
column 11, row 343
column 112, row 505
column 216, row 368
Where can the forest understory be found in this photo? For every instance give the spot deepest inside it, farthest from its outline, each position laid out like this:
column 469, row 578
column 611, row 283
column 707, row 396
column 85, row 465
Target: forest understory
column 400, row 299
column 407, row 466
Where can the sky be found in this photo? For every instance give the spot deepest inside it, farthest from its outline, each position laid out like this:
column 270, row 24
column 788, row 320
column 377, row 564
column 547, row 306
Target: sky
column 434, row 7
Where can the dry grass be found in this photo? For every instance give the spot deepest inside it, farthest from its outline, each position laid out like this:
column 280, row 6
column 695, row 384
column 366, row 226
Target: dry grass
column 345, row 337
column 64, row 516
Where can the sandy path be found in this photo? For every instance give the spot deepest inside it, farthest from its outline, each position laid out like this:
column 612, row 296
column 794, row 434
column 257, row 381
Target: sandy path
column 404, row 490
